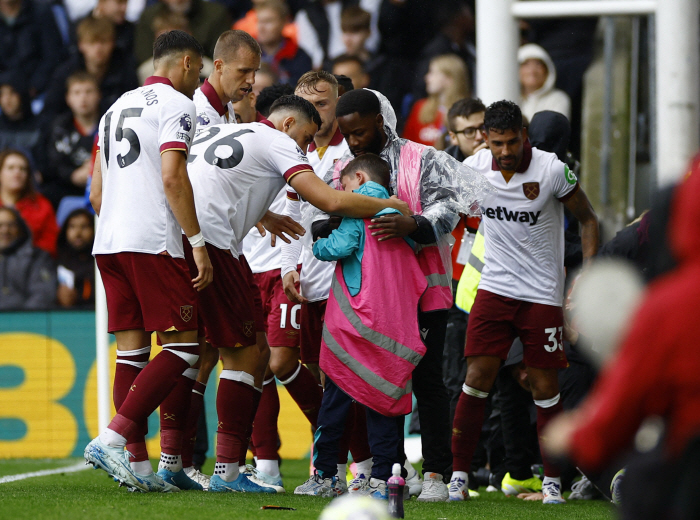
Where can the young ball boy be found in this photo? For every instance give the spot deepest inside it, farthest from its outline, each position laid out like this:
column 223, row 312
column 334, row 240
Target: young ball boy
column 371, row 341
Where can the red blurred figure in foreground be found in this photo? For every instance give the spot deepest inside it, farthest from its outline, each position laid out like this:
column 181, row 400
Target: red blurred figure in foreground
column 655, row 371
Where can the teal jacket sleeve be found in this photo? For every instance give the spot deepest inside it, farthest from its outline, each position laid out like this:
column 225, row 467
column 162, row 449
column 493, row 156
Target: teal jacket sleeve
column 342, row 242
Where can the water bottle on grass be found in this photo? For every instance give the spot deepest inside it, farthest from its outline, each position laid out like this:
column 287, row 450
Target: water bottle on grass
column 396, row 485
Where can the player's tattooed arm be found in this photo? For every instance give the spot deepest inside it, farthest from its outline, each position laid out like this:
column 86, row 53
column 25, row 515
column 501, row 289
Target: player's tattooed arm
column 581, row 208
column 96, row 185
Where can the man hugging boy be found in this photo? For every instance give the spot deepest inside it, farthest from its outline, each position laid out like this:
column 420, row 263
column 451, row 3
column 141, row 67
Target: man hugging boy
column 371, row 340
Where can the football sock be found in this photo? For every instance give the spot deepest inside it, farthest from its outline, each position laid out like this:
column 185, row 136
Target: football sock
column 190, row 433
column 142, row 467
column 129, row 365
column 466, row 429
column 170, row 462
column 153, row 385
column 410, row 470
column 265, row 437
column 174, row 411
column 227, row 471
column 364, row 467
column 547, row 480
column 234, row 404
column 359, row 444
column 304, row 389
column 342, row 472
column 546, row 410
column 249, row 431
column 269, row 467
column 460, row 474
column 136, row 445
column 112, row 438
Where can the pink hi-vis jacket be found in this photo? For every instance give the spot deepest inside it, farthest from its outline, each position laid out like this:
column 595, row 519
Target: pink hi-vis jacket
column 438, row 295
column 371, row 341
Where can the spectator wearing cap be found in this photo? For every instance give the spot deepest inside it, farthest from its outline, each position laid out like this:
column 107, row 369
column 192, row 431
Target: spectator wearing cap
column 27, row 274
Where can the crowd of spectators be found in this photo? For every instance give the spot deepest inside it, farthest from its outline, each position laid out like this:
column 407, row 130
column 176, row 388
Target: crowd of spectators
column 66, row 61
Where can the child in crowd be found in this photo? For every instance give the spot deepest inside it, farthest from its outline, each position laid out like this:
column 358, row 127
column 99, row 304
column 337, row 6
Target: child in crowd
column 371, row 341
column 355, row 24
column 70, row 145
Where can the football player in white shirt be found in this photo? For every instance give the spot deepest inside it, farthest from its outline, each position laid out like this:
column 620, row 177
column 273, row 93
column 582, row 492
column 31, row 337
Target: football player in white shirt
column 521, row 289
column 236, row 58
column 321, row 89
column 142, row 193
column 236, row 172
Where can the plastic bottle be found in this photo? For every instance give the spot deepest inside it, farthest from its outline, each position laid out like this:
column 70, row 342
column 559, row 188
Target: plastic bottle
column 396, row 485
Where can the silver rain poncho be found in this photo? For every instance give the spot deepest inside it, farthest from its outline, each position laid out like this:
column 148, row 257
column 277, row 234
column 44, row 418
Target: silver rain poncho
column 448, row 187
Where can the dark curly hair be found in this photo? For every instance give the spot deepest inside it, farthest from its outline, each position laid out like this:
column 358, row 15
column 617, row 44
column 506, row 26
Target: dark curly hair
column 503, row 115
column 298, row 105
column 269, row 95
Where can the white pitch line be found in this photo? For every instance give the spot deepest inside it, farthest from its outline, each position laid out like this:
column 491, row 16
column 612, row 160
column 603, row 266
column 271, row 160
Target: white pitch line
column 68, row 469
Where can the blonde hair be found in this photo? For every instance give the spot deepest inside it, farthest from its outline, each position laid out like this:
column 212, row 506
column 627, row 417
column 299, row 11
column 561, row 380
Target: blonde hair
column 454, row 68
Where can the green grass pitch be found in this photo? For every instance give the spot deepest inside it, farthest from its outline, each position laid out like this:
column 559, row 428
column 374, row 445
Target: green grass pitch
column 91, row 494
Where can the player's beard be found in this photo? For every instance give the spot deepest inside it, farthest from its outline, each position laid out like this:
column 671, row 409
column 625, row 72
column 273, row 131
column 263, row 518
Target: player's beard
column 374, row 146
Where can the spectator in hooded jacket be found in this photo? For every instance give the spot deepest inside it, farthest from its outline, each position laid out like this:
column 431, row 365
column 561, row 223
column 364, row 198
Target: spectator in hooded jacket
column 17, row 191
column 19, row 127
column 76, row 266
column 27, row 274
column 537, row 78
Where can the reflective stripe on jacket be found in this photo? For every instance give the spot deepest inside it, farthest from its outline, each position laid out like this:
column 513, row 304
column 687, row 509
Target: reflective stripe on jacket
column 471, row 276
column 371, row 342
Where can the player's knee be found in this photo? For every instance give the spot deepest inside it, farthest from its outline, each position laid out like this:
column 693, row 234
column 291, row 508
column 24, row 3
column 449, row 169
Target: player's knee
column 208, row 360
column 281, row 363
column 481, row 376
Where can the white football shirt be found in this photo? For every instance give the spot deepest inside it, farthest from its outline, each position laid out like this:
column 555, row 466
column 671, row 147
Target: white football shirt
column 143, row 123
column 261, row 256
column 524, row 227
column 316, row 275
column 236, row 172
column 210, row 110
